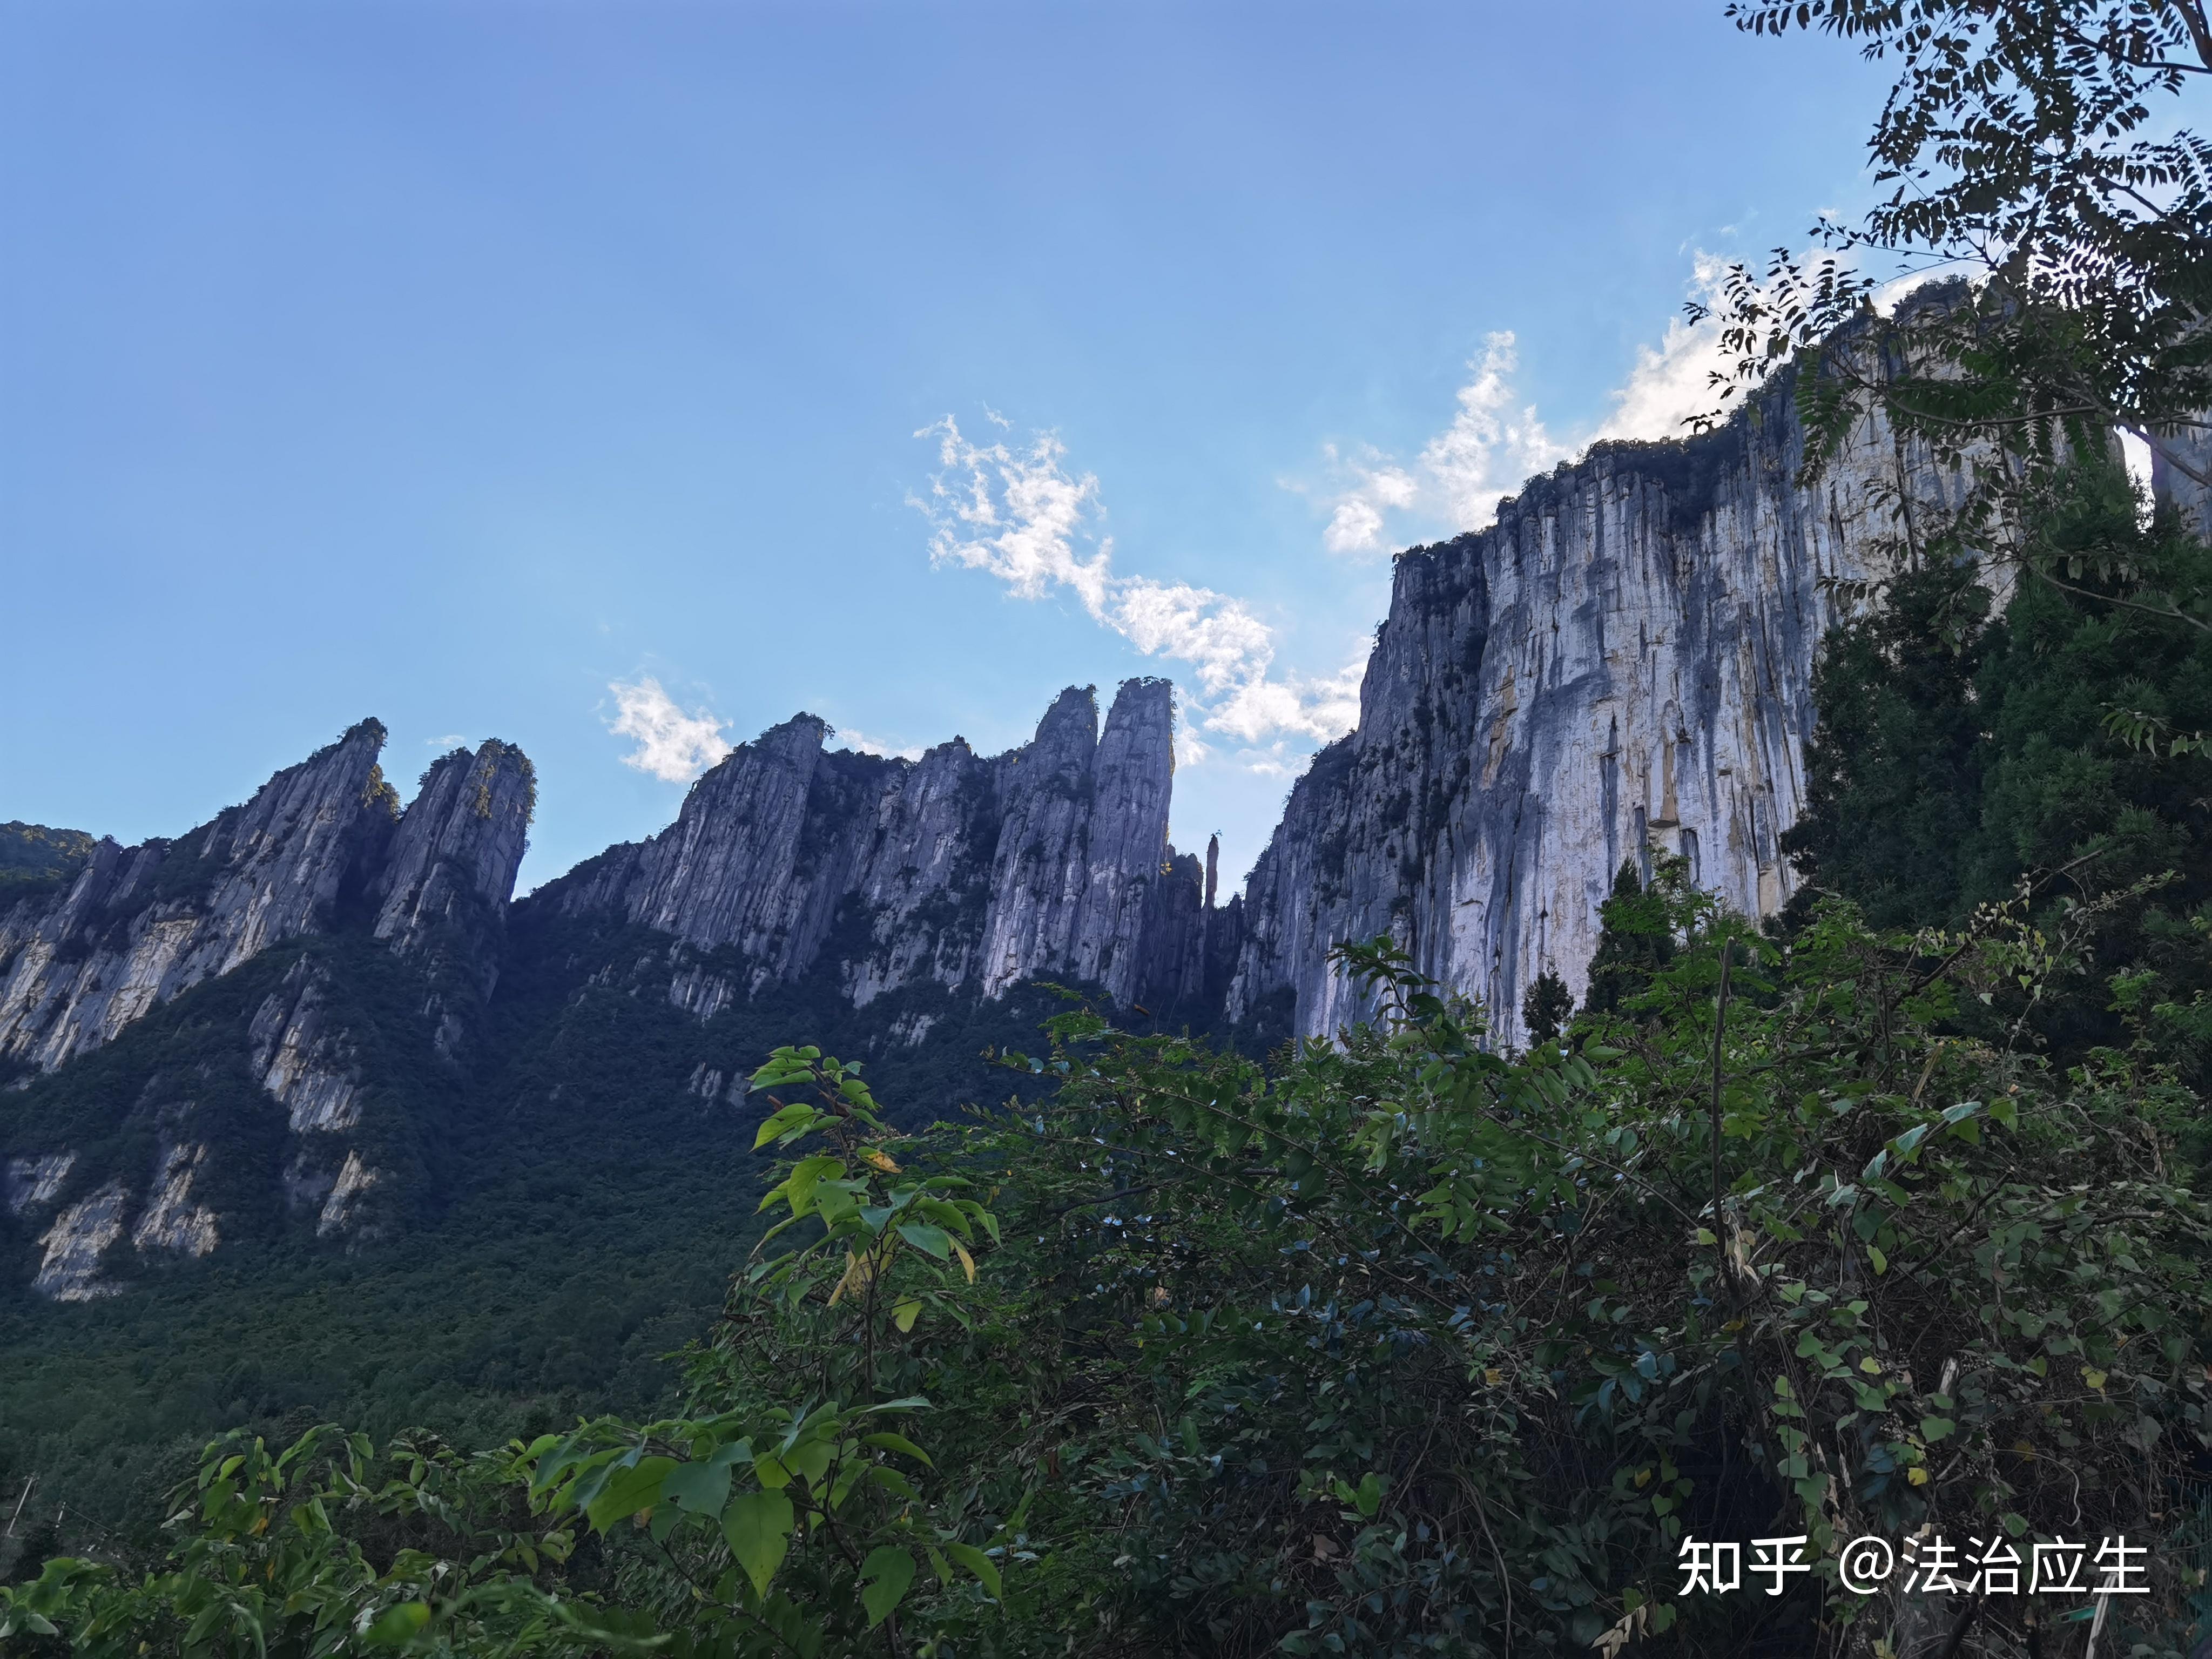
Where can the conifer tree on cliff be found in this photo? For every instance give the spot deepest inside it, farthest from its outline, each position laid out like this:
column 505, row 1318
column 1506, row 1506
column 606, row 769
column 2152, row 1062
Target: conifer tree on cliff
column 1635, row 943
column 1547, row 1007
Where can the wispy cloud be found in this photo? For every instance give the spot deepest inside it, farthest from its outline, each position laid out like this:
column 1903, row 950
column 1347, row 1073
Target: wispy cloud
column 672, row 744
column 1018, row 513
column 853, row 737
column 1496, row 442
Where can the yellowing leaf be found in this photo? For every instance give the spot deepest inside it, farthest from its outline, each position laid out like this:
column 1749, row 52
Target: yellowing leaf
column 882, row 1161
column 1917, row 1475
column 2095, row 1379
column 859, row 1271
column 967, row 1261
column 906, row 1313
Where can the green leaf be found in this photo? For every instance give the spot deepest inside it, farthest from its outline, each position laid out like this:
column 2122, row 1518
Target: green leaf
column 811, row 1458
column 884, row 1577
column 1880, row 1261
column 979, row 1563
column 1368, row 1496
column 1933, row 1429
column 905, row 1312
column 627, row 1491
column 700, row 1488
column 899, row 1443
column 884, row 1475
column 757, row 1525
column 793, row 1120
column 772, row 1471
column 931, row 1241
column 397, row 1627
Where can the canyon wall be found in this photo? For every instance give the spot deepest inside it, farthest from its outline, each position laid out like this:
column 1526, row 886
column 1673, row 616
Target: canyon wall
column 1049, row 861
column 1621, row 663
column 321, row 849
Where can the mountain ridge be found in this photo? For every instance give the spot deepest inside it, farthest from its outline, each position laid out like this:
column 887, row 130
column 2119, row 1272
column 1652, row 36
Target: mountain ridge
column 1620, row 666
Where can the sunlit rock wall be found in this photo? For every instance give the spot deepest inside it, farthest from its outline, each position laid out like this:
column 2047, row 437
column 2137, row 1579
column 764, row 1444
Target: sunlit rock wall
column 1621, row 663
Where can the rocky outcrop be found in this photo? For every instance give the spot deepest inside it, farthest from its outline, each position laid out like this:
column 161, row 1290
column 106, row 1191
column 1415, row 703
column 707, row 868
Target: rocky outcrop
column 28, row 1181
column 77, row 1245
column 303, row 1059
column 1050, row 861
column 321, row 850
column 171, row 1221
column 140, row 924
column 443, row 889
column 1621, row 665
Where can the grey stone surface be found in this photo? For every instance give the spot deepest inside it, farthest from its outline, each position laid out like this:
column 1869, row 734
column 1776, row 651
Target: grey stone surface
column 140, row 924
column 443, row 887
column 1045, row 861
column 1622, row 663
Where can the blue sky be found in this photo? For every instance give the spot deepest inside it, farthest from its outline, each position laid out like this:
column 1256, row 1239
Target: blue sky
column 536, row 370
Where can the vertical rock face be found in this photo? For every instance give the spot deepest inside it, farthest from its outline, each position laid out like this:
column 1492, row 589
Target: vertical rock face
column 445, row 884
column 1082, row 842
column 953, row 868
column 1623, row 663
column 321, row 849
column 140, row 925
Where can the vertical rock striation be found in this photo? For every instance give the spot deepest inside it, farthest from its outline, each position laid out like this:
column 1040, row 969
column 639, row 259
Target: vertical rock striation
column 444, row 886
column 139, row 925
column 1622, row 663
column 967, row 872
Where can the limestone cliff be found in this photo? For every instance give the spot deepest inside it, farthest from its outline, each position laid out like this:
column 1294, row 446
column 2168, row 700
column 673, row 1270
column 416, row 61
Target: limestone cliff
column 1051, row 860
column 1622, row 663
column 320, row 852
column 140, row 924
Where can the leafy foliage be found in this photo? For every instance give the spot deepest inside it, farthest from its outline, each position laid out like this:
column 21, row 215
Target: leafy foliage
column 1399, row 1345
column 1960, row 755
column 2030, row 146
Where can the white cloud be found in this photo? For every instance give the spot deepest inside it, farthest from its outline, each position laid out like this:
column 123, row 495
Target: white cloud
column 1488, row 449
column 1496, row 442
column 672, row 744
column 1018, row 513
column 1671, row 381
column 1493, row 446
column 853, row 737
column 1355, row 525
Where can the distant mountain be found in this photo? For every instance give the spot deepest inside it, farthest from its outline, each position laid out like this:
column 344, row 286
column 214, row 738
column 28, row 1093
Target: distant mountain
column 274, row 1025
column 320, row 985
column 270, row 1088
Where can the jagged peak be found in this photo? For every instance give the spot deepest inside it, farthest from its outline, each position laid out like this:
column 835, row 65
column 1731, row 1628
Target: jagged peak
column 1074, row 709
column 1142, row 696
column 368, row 730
